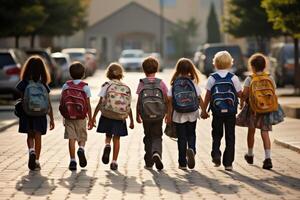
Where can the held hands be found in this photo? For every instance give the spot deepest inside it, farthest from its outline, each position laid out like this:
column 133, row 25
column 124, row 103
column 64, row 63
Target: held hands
column 138, row 119
column 91, row 124
column 168, row 119
column 204, row 115
column 131, row 125
column 52, row 125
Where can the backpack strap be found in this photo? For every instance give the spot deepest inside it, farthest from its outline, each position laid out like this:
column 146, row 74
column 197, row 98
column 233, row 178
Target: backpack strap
column 146, row 81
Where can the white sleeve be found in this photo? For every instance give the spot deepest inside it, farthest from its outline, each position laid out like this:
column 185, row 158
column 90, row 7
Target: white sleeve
column 247, row 82
column 65, row 86
column 170, row 92
column 87, row 90
column 102, row 92
column 210, row 83
column 236, row 83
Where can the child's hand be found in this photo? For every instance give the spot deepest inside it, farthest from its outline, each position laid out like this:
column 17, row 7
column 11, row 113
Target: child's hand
column 91, row 124
column 131, row 125
column 138, row 119
column 52, row 125
column 168, row 119
column 204, row 115
column 241, row 104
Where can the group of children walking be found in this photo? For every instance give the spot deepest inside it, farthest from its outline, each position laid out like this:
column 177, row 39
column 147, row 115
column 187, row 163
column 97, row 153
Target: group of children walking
column 178, row 106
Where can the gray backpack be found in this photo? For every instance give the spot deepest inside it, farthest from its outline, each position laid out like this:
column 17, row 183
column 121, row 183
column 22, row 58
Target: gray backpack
column 152, row 104
column 36, row 99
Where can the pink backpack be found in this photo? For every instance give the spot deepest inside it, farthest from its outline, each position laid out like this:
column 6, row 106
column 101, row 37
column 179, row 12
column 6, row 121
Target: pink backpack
column 73, row 102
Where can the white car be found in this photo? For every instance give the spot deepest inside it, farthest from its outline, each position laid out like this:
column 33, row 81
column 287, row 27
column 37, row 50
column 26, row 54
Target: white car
column 63, row 61
column 131, row 59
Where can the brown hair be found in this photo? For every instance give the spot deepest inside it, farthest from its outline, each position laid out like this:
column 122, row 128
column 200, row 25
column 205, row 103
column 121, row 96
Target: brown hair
column 150, row 65
column 35, row 69
column 185, row 67
column 257, row 62
column 114, row 71
column 77, row 70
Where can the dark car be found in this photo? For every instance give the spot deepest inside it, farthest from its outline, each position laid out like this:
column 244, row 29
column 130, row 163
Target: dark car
column 209, row 50
column 11, row 61
column 55, row 71
column 282, row 63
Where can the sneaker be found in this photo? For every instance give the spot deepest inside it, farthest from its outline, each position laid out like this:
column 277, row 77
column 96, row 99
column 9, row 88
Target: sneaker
column 114, row 166
column 182, row 167
column 216, row 161
column 157, row 160
column 81, row 156
column 190, row 158
column 31, row 161
column 73, row 165
column 106, row 152
column 267, row 164
column 249, row 159
column 228, row 168
column 37, row 167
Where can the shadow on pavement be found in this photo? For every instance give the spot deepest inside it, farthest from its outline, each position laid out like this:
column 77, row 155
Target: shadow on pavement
column 35, row 184
column 262, row 185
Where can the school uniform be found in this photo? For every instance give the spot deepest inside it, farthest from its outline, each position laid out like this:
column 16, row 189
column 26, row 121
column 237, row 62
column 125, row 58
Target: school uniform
column 29, row 124
column 221, row 122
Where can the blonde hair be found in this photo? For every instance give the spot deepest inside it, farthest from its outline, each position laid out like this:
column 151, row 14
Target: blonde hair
column 114, row 71
column 222, row 60
column 185, row 67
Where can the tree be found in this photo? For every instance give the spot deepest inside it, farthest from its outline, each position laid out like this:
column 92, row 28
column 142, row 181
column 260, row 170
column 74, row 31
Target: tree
column 213, row 30
column 182, row 34
column 285, row 16
column 20, row 18
column 248, row 19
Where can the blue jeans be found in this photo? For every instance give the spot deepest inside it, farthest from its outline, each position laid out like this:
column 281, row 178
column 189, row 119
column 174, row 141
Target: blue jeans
column 186, row 133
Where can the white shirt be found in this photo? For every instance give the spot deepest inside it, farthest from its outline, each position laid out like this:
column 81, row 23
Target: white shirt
column 186, row 117
column 86, row 88
column 235, row 80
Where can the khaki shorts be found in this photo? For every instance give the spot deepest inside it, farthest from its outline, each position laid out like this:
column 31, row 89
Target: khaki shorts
column 76, row 129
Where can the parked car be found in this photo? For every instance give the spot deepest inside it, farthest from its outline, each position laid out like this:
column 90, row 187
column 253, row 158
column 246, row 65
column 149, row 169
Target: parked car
column 63, row 61
column 197, row 55
column 207, row 55
column 158, row 57
column 85, row 56
column 11, row 61
column 131, row 59
column 282, row 63
column 54, row 70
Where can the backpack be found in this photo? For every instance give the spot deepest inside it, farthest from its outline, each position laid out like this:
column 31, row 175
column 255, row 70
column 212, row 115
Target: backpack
column 184, row 95
column 224, row 100
column 116, row 104
column 35, row 99
column 73, row 102
column 262, row 97
column 151, row 101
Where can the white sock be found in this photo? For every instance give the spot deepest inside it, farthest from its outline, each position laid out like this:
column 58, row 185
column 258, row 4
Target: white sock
column 30, row 150
column 250, row 152
column 73, row 159
column 37, row 161
column 114, row 161
column 267, row 153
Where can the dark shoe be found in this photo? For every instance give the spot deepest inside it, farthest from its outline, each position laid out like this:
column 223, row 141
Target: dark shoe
column 216, row 161
column 81, row 156
column 73, row 166
column 114, row 166
column 267, row 164
column 249, row 159
column 157, row 160
column 106, row 152
column 228, row 168
column 190, row 158
column 182, row 167
column 31, row 161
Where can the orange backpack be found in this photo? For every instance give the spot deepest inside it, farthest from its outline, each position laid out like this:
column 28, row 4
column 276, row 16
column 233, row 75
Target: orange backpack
column 262, row 97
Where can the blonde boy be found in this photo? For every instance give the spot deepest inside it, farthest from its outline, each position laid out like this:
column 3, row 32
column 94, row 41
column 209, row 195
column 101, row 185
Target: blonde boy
column 223, row 88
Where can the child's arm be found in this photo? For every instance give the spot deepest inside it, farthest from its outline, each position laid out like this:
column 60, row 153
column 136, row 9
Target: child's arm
column 204, row 114
column 207, row 97
column 131, row 125
column 50, row 113
column 90, row 125
column 170, row 110
column 138, row 116
column 244, row 96
column 97, row 109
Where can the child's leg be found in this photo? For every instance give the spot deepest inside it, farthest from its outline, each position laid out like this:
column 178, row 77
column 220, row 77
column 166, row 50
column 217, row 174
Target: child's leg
column 81, row 144
column 116, row 142
column 107, row 149
column 108, row 139
column 72, row 148
column 37, row 144
column 228, row 157
column 250, row 141
column 217, row 134
column 181, row 143
column 156, row 138
column 147, row 144
column 30, row 141
column 32, row 155
column 191, row 135
column 267, row 143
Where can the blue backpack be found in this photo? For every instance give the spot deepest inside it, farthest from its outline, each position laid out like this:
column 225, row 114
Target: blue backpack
column 224, row 98
column 184, row 94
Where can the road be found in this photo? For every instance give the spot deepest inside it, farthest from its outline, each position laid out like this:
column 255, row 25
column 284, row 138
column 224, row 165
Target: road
column 132, row 181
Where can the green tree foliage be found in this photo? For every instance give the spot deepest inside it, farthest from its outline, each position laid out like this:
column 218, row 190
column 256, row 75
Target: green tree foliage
column 41, row 17
column 182, row 34
column 213, row 30
column 285, row 16
column 248, row 19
